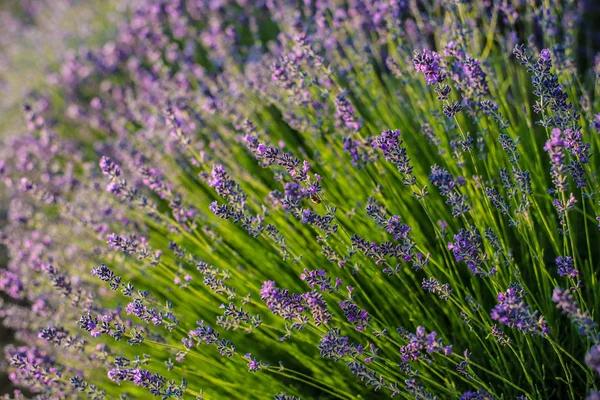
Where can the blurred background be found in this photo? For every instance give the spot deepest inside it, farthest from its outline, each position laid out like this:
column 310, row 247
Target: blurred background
column 35, row 35
column 5, row 334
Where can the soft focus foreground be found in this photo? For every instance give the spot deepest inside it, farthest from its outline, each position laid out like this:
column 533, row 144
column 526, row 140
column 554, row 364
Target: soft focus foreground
column 318, row 199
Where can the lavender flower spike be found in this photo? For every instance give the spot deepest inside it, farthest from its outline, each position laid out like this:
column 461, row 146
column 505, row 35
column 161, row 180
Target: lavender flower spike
column 428, row 63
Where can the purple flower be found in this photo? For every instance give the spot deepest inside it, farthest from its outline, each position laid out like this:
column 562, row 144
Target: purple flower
column 141, row 377
column 577, row 147
column 361, row 151
column 357, row 317
column 109, row 168
column 497, row 200
column 204, row 333
column 335, row 346
column 253, row 364
column 227, row 187
column 478, row 395
column 432, row 285
column 512, row 311
column 450, row 110
column 566, row 267
column 345, row 112
column 592, row 358
column 499, row 336
column 417, row 389
column 565, row 301
column 390, row 144
column 554, row 146
column 380, row 251
column 11, row 284
column 56, row 335
column 421, row 342
column 393, row 224
column 448, row 186
column 428, row 63
column 118, row 375
column 596, row 123
column 88, row 322
column 318, row 307
column 269, row 155
column 475, row 77
column 318, row 278
column 467, row 247
column 136, row 308
column 146, row 379
column 467, row 73
column 545, row 55
column 281, row 302
column 112, row 171
column 103, row 272
column 593, row 395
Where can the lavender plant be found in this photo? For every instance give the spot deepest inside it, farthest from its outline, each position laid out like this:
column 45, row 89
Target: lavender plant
column 318, row 199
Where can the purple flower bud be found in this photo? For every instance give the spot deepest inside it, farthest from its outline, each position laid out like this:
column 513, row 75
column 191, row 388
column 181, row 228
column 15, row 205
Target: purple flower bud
column 592, row 358
column 467, row 247
column 433, row 286
column 335, row 346
column 357, row 317
column 596, row 123
column 109, row 168
column 428, row 63
column 478, row 395
column 566, row 267
column 422, row 342
column 513, row 312
column 390, row 145
column 345, row 112
column 565, row 301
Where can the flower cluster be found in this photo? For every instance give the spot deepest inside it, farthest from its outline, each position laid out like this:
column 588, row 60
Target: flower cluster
column 390, row 145
column 512, row 311
column 335, row 346
column 448, row 186
column 554, row 146
column 467, row 247
column 420, row 344
column 291, row 306
column 565, row 301
column 204, row 199
column 432, row 285
column 359, row 318
column 429, row 64
column 566, row 267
